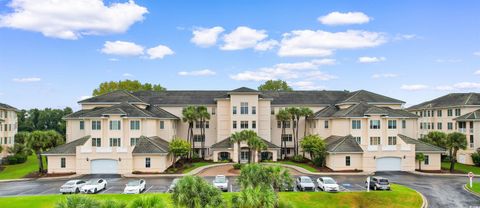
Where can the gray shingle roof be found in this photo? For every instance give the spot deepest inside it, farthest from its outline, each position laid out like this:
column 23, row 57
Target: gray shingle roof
column 369, row 97
column 68, row 148
column 124, row 109
column 244, row 89
column 115, row 96
column 342, row 144
column 7, row 107
column 151, row 145
column 226, row 143
column 449, row 100
column 421, row 146
column 475, row 115
column 361, row 110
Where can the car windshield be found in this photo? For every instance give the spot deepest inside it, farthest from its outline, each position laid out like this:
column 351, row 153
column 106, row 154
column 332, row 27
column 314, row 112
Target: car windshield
column 306, row 180
column 328, row 181
column 133, row 183
column 91, row 182
column 220, row 179
column 383, row 181
column 69, row 183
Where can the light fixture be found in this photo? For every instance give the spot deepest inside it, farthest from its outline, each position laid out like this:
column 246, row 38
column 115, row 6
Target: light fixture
column 404, row 157
column 374, row 157
column 120, row 159
column 87, row 159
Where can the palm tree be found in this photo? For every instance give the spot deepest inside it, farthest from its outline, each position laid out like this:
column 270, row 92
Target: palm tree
column 203, row 116
column 189, row 115
column 455, row 141
column 295, row 117
column 194, row 191
column 255, row 197
column 283, row 116
column 251, row 138
column 305, row 112
column 257, row 145
column 237, row 137
column 420, row 157
column 37, row 141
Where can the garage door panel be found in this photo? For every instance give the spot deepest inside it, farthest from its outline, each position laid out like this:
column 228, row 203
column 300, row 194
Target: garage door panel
column 389, row 164
column 104, row 167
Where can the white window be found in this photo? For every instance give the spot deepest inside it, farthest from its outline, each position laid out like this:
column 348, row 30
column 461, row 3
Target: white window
column 287, row 137
column 214, row 111
column 392, row 124
column 427, row 160
column 114, row 125
column 244, row 124
column 243, row 108
column 374, row 124
column 279, row 124
column 133, row 141
column 96, row 142
column 356, row 124
column 115, row 142
column 234, row 124
column 326, row 125
column 254, row 124
column 234, row 110
column 374, row 141
column 198, row 138
column 96, row 125
column 254, row 110
column 358, row 140
column 135, row 125
column 63, row 162
column 404, row 124
column 82, row 125
column 147, row 162
column 392, row 140
column 162, row 124
column 347, row 161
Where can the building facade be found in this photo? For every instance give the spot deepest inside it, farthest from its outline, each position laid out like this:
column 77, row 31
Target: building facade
column 124, row 132
column 8, row 127
column 455, row 112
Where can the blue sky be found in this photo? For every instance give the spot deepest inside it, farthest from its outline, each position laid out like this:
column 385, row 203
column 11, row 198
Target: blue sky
column 52, row 55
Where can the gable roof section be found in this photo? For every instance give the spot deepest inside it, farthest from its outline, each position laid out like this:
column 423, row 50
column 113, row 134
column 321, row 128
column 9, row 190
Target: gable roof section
column 450, row 100
column 4, row 106
column 421, row 146
column 151, row 145
column 226, row 143
column 342, row 144
column 361, row 110
column 368, row 97
column 114, row 97
column 68, row 148
column 244, row 89
column 475, row 115
column 124, row 109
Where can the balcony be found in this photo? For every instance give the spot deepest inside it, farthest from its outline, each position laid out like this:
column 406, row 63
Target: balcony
column 472, row 145
column 462, row 130
column 103, row 149
column 372, row 148
column 389, row 147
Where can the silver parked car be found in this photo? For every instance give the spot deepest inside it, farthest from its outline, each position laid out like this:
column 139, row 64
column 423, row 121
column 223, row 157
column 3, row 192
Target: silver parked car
column 378, row 183
column 172, row 185
column 221, row 182
column 305, row 183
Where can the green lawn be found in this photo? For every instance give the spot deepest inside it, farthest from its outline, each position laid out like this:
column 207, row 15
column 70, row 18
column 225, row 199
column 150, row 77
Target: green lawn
column 400, row 197
column 462, row 168
column 196, row 165
column 302, row 165
column 20, row 170
column 475, row 188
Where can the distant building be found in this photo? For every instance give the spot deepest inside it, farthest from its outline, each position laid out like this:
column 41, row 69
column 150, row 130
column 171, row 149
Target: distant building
column 8, row 127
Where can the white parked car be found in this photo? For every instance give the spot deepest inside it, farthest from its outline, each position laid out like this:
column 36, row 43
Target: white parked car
column 327, row 184
column 172, row 186
column 305, row 183
column 93, row 186
column 72, row 186
column 134, row 187
column 221, row 182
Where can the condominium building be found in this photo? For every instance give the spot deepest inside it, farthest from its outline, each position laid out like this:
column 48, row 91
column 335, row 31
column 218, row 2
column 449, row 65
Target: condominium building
column 124, row 132
column 8, row 127
column 455, row 112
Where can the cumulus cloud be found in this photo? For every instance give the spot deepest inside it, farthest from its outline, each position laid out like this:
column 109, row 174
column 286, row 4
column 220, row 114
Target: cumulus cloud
column 122, row 48
column 406, row 37
column 477, row 72
column 339, row 18
column 387, row 75
column 306, row 85
column 367, row 59
column 266, row 45
column 159, row 52
column 414, row 87
column 467, row 85
column 127, row 75
column 305, row 70
column 243, row 37
column 205, row 37
column 309, row 43
column 205, row 72
column 27, row 79
column 70, row 19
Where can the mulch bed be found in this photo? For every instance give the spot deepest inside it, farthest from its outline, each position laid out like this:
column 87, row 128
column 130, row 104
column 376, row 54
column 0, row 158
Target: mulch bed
column 47, row 175
column 234, row 171
column 326, row 169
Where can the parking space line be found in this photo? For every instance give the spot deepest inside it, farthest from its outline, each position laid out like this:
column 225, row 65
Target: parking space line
column 148, row 189
column 46, row 191
column 105, row 191
column 361, row 187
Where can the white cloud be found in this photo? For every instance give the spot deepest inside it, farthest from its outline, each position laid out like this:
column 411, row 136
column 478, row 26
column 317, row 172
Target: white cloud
column 448, row 60
column 444, row 88
column 266, row 45
column 367, row 59
column 476, row 53
column 70, row 19
column 306, row 85
column 414, row 87
column 338, row 18
column 205, row 37
column 305, row 70
column 113, row 59
column 122, row 48
column 467, row 85
column 85, row 97
column 127, row 75
column 205, row 72
column 159, row 52
column 320, row 43
column 243, row 37
column 406, row 37
column 27, row 79
column 387, row 75
column 477, row 72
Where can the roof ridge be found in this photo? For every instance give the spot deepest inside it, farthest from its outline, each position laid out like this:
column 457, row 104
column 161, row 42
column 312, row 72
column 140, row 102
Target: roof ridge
column 339, row 143
column 352, row 107
column 133, row 96
column 138, row 109
column 431, row 145
column 356, row 93
column 152, row 142
column 468, row 99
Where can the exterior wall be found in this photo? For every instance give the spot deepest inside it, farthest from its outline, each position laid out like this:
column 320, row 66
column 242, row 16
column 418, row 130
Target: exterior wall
column 158, row 163
column 433, row 164
column 8, row 129
column 54, row 164
column 337, row 161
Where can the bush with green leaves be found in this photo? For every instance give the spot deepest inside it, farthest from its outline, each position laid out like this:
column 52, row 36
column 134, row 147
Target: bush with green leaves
column 147, row 202
column 237, row 166
column 196, row 192
column 255, row 197
column 113, row 204
column 78, row 201
column 255, row 175
column 476, row 158
column 298, row 158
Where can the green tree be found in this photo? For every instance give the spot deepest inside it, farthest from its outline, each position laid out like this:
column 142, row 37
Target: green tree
column 254, row 175
column 255, row 197
column 283, row 116
column 237, row 137
column 203, row 116
column 129, row 85
column 295, row 115
column 46, row 119
column 256, row 145
column 455, row 142
column 274, row 85
column 1, row 148
column 78, row 202
column 195, row 192
column 151, row 201
column 190, row 116
column 305, row 112
column 37, row 142
column 436, row 138
column 315, row 146
column 178, row 148
column 21, row 137
column 420, row 157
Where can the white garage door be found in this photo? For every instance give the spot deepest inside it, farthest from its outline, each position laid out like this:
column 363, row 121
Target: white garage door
column 104, row 167
column 389, row 164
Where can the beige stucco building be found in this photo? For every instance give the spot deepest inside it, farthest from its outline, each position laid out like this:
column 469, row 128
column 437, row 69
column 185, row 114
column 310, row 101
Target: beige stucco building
column 8, row 127
column 124, row 132
column 455, row 112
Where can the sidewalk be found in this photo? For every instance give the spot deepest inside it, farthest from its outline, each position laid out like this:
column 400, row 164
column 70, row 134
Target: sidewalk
column 305, row 171
column 441, row 174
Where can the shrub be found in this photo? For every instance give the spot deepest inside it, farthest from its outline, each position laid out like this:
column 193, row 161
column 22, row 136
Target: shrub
column 193, row 192
column 476, row 158
column 298, row 158
column 78, row 201
column 11, row 160
column 147, row 202
column 113, row 204
column 258, row 197
column 237, row 166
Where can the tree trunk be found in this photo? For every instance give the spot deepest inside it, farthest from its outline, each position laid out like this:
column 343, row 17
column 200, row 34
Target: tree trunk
column 419, row 165
column 40, row 162
column 305, row 130
column 453, row 160
column 203, row 141
column 294, row 137
column 238, row 143
column 298, row 125
column 193, row 142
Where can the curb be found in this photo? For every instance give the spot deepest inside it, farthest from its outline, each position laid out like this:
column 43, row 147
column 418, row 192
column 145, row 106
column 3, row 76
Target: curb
column 192, row 172
column 466, row 189
column 305, row 171
column 439, row 174
column 424, row 199
column 40, row 179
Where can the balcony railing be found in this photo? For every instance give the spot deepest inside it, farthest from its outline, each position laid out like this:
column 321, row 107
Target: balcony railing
column 462, row 130
column 103, row 149
column 389, row 147
column 472, row 145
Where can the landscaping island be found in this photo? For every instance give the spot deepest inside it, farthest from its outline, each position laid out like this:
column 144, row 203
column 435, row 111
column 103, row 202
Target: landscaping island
column 401, row 196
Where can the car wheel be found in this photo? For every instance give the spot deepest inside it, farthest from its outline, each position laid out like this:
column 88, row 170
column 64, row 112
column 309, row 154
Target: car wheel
column 95, row 190
column 105, row 187
column 77, row 191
